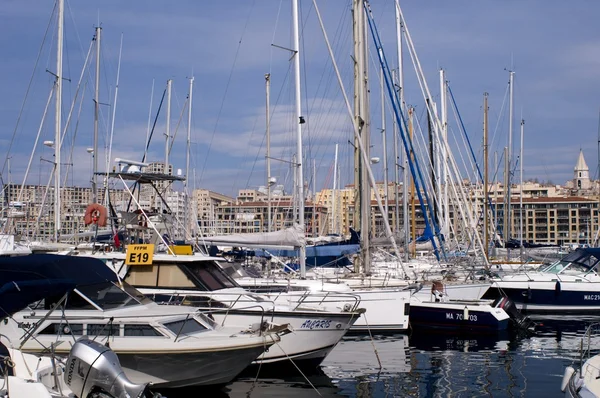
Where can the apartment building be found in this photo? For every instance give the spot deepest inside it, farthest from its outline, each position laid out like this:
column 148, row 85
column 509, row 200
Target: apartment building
column 249, row 217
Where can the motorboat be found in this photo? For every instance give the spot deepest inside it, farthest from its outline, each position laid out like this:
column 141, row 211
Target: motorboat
column 199, row 281
column 387, row 309
column 569, row 285
column 163, row 345
column 27, row 375
column 438, row 310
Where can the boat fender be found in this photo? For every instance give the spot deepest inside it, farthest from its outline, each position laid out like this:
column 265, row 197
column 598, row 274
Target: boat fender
column 569, row 370
column 557, row 288
column 466, row 313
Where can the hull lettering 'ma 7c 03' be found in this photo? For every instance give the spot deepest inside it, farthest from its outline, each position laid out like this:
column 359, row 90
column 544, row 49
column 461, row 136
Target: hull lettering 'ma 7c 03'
column 460, row 317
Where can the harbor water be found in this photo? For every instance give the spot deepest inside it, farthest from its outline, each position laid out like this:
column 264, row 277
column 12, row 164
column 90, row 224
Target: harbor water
column 432, row 365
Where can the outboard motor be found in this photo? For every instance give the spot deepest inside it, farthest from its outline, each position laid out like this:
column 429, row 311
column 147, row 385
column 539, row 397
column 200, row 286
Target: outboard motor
column 93, row 370
column 519, row 321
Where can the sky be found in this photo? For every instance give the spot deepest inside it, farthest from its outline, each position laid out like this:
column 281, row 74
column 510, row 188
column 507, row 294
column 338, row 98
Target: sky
column 229, row 45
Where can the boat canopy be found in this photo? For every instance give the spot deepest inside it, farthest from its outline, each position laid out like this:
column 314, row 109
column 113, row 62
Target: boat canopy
column 16, row 295
column 79, row 270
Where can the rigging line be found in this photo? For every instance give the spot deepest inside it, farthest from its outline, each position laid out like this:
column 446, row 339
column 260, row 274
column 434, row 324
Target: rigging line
column 257, row 153
column 274, row 107
column 464, row 130
column 497, row 127
column 181, row 115
column 237, row 52
column 154, row 125
column 29, row 85
column 273, row 38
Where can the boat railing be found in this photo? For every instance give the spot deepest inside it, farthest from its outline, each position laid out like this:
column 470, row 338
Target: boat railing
column 250, row 307
column 329, row 297
column 593, row 330
column 237, row 298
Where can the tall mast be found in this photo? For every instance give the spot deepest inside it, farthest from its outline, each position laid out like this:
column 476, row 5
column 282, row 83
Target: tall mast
column 268, row 154
column 507, row 198
column 168, row 133
column 598, row 182
column 187, row 155
column 361, row 114
column 443, row 152
column 314, row 195
column 521, row 190
column 299, row 121
column 58, row 123
column 96, row 115
column 486, row 222
column 507, row 215
column 402, row 159
column 413, row 217
column 334, row 228
column 385, row 163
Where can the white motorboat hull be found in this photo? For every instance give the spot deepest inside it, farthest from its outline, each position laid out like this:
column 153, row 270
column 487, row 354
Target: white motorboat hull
column 314, row 335
column 387, row 310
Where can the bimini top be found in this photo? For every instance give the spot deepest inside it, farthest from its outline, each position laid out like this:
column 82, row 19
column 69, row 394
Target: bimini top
column 16, row 295
column 78, row 270
column 26, row 279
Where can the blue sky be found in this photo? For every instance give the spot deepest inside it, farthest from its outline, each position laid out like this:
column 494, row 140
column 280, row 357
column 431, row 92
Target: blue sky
column 554, row 48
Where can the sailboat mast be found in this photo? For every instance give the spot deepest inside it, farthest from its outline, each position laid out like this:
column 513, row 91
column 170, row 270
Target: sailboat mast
column 168, row 133
column 96, row 115
column 58, row 122
column 521, row 189
column 361, row 112
column 442, row 153
column 314, row 195
column 413, row 216
column 598, row 182
column 507, row 212
column 187, row 157
column 334, row 227
column 384, row 138
column 268, row 154
column 402, row 159
column 299, row 121
column 486, row 221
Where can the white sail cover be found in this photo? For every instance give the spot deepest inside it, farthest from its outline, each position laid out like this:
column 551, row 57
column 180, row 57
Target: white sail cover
column 286, row 238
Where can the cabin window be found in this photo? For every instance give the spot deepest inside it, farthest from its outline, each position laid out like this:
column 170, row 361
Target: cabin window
column 185, row 326
column 141, row 331
column 63, row 329
column 209, row 274
column 169, row 275
column 143, row 275
column 103, row 329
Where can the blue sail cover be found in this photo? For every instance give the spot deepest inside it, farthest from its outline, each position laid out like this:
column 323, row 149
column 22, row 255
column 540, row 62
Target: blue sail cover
column 318, row 256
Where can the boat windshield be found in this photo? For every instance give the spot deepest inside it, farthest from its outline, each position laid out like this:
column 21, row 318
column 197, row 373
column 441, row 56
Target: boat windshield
column 107, row 296
column 575, row 264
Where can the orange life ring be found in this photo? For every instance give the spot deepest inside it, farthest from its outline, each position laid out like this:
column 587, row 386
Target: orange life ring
column 95, row 214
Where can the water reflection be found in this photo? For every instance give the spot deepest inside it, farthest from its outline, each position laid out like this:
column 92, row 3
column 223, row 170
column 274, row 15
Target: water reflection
column 431, row 365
